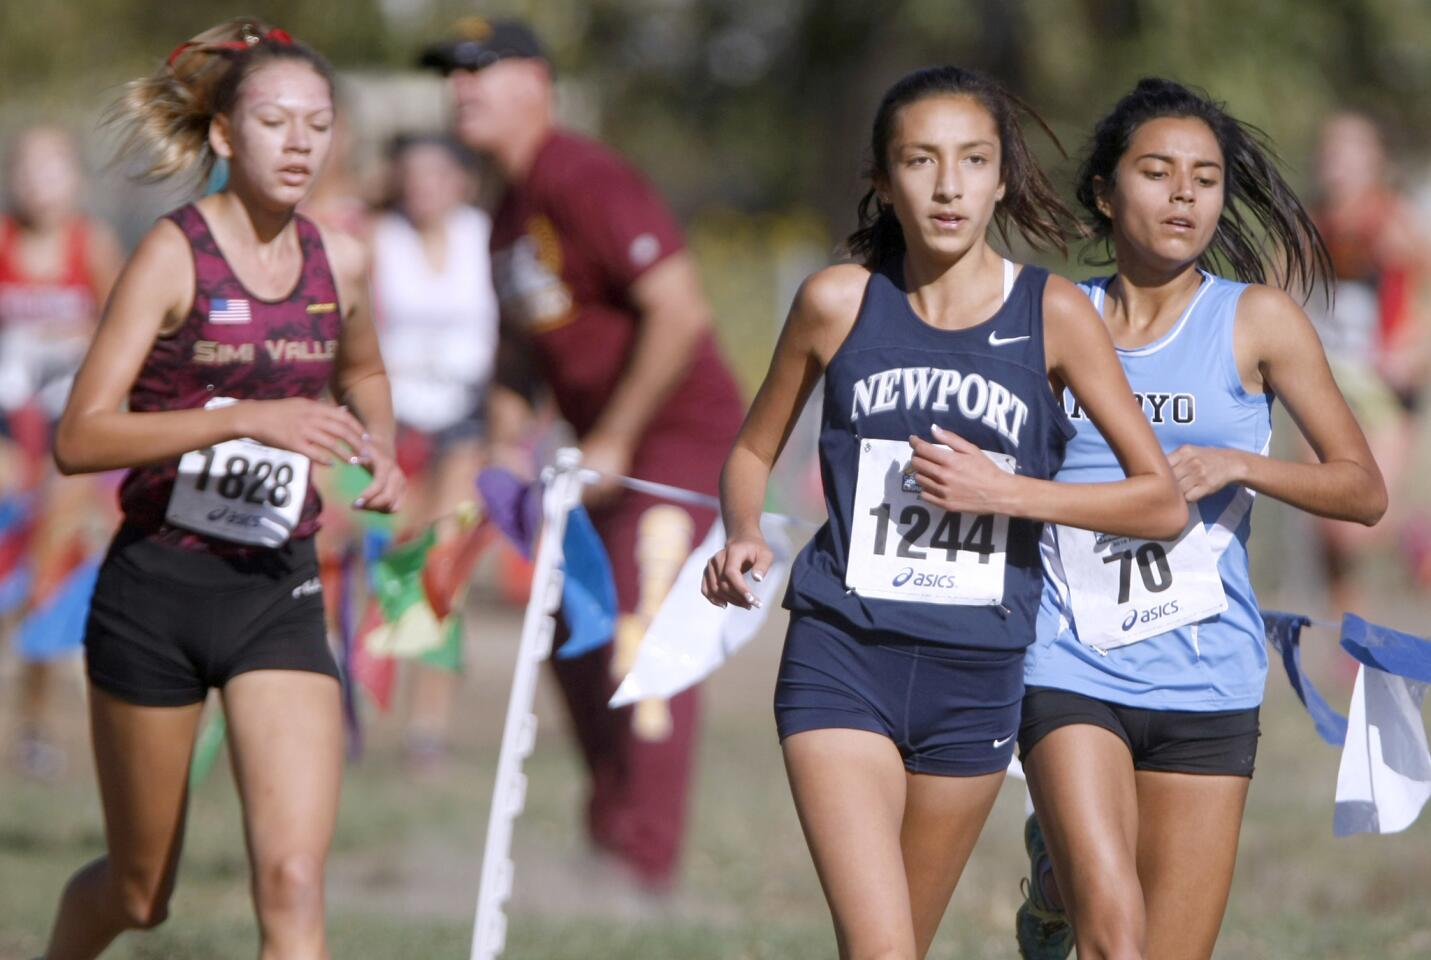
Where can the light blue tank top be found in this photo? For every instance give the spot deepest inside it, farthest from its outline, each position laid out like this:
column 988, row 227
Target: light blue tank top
column 1192, row 393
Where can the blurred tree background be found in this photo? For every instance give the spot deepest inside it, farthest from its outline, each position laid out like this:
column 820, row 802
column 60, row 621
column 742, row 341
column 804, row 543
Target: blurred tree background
column 753, row 115
column 764, row 104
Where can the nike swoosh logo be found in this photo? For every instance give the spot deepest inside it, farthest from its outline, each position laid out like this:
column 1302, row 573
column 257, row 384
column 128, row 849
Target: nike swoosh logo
column 997, row 341
column 1000, row 743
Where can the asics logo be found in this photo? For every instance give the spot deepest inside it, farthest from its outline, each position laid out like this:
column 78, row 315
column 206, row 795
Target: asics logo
column 1151, row 615
column 997, row 341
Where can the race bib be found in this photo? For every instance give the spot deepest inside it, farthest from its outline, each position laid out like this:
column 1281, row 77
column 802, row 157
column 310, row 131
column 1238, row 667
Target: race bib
column 239, row 490
column 1123, row 589
column 902, row 548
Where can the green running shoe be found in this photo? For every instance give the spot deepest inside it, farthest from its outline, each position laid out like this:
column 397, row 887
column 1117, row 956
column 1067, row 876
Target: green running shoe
column 1043, row 930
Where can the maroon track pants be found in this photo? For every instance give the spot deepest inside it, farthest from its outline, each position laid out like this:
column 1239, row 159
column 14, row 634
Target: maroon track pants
column 636, row 808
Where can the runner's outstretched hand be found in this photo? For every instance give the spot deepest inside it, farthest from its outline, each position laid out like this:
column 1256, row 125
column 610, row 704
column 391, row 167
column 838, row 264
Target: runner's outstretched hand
column 724, row 579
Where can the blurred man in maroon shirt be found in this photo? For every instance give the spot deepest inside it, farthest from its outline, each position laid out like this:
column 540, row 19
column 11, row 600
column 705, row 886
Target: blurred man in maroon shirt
column 601, row 301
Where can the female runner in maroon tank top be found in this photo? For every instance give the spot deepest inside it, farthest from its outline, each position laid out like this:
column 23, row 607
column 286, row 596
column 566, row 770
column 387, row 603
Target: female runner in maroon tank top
column 228, row 327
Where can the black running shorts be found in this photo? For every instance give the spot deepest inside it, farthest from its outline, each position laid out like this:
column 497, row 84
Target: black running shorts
column 167, row 623
column 1172, row 741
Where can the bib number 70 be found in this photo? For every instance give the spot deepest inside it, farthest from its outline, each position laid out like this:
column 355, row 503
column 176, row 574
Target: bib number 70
column 1153, row 568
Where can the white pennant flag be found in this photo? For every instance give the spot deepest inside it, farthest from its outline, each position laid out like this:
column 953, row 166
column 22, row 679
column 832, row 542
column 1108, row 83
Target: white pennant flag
column 1385, row 775
column 689, row 638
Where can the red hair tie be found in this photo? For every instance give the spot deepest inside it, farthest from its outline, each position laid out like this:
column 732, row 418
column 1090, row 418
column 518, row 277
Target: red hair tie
column 179, row 51
column 276, row 35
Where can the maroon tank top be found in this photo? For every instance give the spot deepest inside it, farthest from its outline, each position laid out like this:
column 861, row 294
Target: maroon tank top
column 233, row 344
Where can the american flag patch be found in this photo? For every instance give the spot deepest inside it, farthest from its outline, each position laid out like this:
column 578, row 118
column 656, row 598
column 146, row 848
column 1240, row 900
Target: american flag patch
column 229, row 311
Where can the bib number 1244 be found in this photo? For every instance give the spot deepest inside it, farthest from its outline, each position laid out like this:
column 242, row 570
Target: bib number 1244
column 903, row 548
column 914, row 522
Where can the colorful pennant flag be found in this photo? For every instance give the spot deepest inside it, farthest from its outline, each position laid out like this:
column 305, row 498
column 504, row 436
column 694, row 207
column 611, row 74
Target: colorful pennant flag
column 415, row 612
column 56, row 626
column 588, row 599
column 514, row 505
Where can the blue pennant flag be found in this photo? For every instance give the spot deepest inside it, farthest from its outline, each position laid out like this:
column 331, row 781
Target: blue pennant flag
column 588, row 596
column 1388, row 650
column 57, row 627
column 1284, row 633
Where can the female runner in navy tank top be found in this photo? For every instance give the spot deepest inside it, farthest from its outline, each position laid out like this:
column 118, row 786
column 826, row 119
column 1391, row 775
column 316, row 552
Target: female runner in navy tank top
column 207, row 377
column 1140, row 725
column 898, row 696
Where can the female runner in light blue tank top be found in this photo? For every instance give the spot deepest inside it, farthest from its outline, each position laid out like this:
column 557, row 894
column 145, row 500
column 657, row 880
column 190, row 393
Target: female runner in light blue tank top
column 1139, row 727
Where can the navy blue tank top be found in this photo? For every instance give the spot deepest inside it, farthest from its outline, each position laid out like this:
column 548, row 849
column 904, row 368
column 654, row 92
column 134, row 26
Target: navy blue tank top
column 894, row 376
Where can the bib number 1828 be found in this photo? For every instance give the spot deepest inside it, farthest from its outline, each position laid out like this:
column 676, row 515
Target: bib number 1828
column 256, row 482
column 241, row 491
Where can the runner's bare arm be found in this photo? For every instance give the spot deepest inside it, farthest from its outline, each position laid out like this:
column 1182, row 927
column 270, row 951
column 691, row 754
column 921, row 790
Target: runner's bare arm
column 97, row 432
column 821, row 317
column 1080, row 355
column 1278, row 349
column 360, row 380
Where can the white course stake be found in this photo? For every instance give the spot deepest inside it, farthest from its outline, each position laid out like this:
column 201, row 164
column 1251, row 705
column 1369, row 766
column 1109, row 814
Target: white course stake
column 562, row 492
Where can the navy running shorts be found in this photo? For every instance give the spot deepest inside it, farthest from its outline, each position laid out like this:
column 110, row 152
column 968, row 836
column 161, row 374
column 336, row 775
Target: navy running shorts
column 1220, row 742
column 951, row 711
column 167, row 623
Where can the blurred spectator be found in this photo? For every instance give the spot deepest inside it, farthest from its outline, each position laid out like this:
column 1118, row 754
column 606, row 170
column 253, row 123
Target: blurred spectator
column 56, row 268
column 437, row 318
column 1375, row 330
column 340, row 199
column 600, row 299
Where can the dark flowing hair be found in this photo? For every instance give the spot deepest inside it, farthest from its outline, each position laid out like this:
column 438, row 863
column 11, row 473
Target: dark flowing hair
column 168, row 113
column 1263, row 223
column 1030, row 201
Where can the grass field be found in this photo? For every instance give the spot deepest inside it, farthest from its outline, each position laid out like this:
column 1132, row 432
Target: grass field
column 404, row 870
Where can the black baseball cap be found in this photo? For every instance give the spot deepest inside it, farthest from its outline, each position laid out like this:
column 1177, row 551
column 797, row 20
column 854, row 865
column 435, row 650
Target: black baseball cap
column 477, row 42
